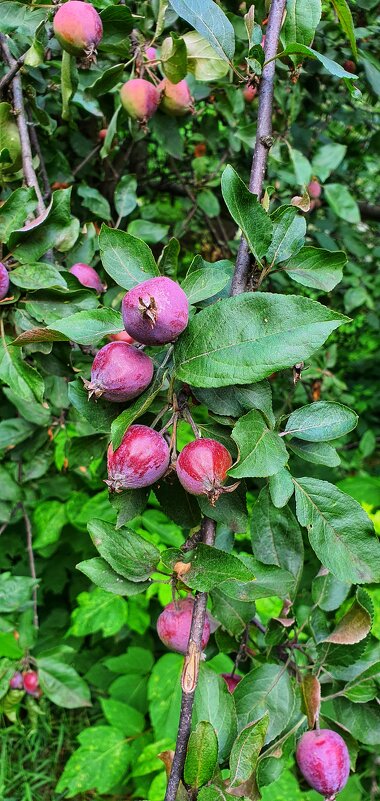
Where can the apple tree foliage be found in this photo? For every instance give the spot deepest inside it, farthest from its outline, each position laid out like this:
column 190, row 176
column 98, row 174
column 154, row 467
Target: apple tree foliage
column 278, row 374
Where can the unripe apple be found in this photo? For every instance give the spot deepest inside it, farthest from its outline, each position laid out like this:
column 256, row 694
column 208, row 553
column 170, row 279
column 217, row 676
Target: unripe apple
column 151, row 53
column 139, row 461
column 249, row 93
column 78, row 27
column 174, row 623
column 119, row 372
column 314, row 189
column 87, row 276
column 4, row 281
column 122, row 336
column 231, row 681
column 30, row 681
column 176, row 100
column 202, row 467
column 156, row 311
column 102, row 134
column 140, row 99
column 324, row 761
column 16, row 682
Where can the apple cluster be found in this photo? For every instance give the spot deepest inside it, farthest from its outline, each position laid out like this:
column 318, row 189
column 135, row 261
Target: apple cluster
column 27, row 681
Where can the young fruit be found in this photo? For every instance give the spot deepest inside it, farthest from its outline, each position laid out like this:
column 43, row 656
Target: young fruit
column 249, row 93
column 87, row 276
column 151, row 53
column 102, row 134
column 314, row 189
column 30, row 681
column 122, row 336
column 156, row 311
column 4, row 281
column 324, row 761
column 176, row 100
column 349, row 66
column 174, row 622
column 78, row 28
column 16, row 682
column 202, row 468
column 119, row 372
column 140, row 99
column 231, row 681
column 140, row 460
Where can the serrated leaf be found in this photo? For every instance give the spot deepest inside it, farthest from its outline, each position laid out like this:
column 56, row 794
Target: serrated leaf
column 356, row 623
column 55, row 228
column 247, row 212
column 15, row 210
column 339, row 531
column 232, row 614
column 246, row 338
column 302, row 19
column 266, row 689
column 331, row 66
column 62, row 684
column 203, row 280
column 209, row 567
column 344, row 15
column 126, row 551
column 316, row 268
column 281, row 487
column 98, row 611
column 201, row 756
column 321, row 421
column 289, row 229
column 214, row 703
column 261, row 451
column 211, row 22
column 276, row 536
column 99, row 763
column 102, row 575
column 244, row 755
column 127, row 259
column 315, row 452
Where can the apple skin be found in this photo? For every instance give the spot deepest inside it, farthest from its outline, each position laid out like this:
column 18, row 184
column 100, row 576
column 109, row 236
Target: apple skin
column 30, row 681
column 314, row 189
column 4, row 281
column 202, row 467
column 156, row 311
column 120, row 372
column 174, row 622
column 140, row 99
column 176, row 100
column 78, row 27
column 324, row 761
column 87, row 276
column 141, row 459
column 231, row 681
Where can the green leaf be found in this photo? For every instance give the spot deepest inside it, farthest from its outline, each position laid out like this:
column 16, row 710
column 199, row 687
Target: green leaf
column 244, row 755
column 339, row 531
column 129, row 504
column 214, row 703
column 202, row 60
column 301, row 21
column 126, row 551
column 15, row 592
column 98, row 611
column 55, row 228
column 174, row 58
column 148, row 231
column 20, row 18
column 9, row 646
column 281, row 487
column 19, row 375
column 316, row 268
column 344, row 15
column 331, row 66
column 164, row 692
column 111, row 133
column 13, row 431
column 269, row 580
column 232, row 614
column 276, row 536
column 247, row 212
column 328, row 592
column 99, row 413
column 93, row 200
column 234, row 401
column 102, row 574
column 122, row 716
column 211, row 22
column 327, row 159
column 125, row 195
column 127, row 259
column 38, row 276
column 15, row 210
column 315, row 452
column 85, row 327
column 62, row 684
column 248, row 337
column 288, row 235
column 321, row 421
column 137, row 408
column 203, row 280
column 301, row 165
column 168, row 260
column 230, row 509
column 261, row 451
column 185, row 512
column 361, row 720
column 117, row 25
column 69, row 82
column 167, row 132
column 201, row 756
column 266, row 689
column 99, row 764
column 49, row 518
column 209, row 567
column 106, row 80
column 342, row 202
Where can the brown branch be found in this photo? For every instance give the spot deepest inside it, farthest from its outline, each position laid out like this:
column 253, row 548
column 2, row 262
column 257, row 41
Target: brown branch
column 8, row 77
column 22, row 124
column 190, row 676
column 263, row 135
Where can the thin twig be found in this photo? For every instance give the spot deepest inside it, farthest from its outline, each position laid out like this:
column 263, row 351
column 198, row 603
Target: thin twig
column 8, row 77
column 19, row 110
column 190, row 676
column 87, row 158
column 32, row 566
column 37, row 149
column 263, row 134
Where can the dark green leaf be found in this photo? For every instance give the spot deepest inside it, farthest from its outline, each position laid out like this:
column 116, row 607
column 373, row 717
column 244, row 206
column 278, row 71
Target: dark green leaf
column 62, row 684
column 201, row 756
column 211, row 22
column 102, row 574
column 261, row 451
column 316, row 268
column 321, row 421
column 127, row 259
column 267, row 689
column 126, row 551
column 247, row 212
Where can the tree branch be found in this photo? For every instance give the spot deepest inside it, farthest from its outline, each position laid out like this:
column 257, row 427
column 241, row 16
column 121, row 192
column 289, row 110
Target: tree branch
column 263, row 134
column 19, row 110
column 8, row 77
column 190, row 675
column 37, row 149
